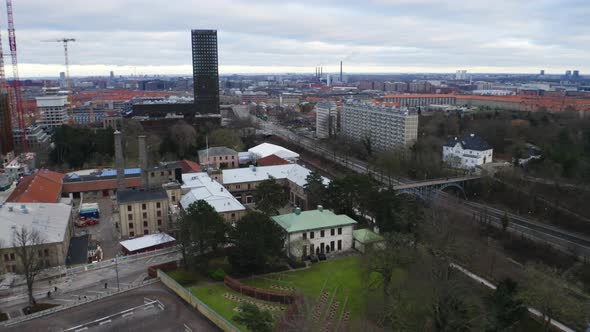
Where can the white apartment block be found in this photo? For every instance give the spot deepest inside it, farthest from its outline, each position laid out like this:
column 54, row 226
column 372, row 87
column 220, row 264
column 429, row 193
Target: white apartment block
column 386, row 127
column 326, row 119
column 53, row 110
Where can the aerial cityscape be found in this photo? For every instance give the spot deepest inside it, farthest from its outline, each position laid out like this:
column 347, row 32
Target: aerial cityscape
column 391, row 165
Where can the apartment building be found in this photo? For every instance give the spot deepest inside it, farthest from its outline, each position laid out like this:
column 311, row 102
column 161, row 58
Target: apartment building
column 218, row 157
column 142, row 212
column 53, row 110
column 326, row 119
column 386, row 127
column 417, row 100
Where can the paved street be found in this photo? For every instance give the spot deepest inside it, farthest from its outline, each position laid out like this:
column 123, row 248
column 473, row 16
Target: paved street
column 89, row 284
column 104, row 232
column 173, row 315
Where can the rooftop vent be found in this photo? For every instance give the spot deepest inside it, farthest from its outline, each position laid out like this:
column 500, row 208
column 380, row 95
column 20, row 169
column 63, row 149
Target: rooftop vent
column 320, row 208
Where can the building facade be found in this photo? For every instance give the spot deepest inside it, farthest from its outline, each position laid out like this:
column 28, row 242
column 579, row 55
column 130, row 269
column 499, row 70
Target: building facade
column 468, row 152
column 53, row 110
column 6, row 138
column 142, row 212
column 53, row 221
column 384, row 127
column 315, row 232
column 218, row 157
column 205, row 71
column 37, row 138
column 326, row 119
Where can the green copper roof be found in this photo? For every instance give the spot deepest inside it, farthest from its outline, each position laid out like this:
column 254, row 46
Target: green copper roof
column 366, row 235
column 310, row 220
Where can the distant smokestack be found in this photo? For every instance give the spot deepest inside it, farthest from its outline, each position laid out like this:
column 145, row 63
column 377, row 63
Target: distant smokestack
column 143, row 160
column 119, row 162
column 341, row 71
column 321, row 72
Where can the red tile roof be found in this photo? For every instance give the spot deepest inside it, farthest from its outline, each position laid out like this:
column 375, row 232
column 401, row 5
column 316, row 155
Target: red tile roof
column 189, row 166
column 44, row 186
column 272, row 160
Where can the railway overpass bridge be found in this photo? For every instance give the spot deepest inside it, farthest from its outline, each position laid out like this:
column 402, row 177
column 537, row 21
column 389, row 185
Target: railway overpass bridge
column 427, row 190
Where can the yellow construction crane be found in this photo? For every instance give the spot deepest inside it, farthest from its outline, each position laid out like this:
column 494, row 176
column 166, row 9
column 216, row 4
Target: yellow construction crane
column 65, row 41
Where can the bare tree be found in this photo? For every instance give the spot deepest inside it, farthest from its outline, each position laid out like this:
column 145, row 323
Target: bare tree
column 184, row 135
column 27, row 244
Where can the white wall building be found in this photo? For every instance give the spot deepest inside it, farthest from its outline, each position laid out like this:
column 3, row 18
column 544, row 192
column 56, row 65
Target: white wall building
column 266, row 149
column 467, row 152
column 53, row 110
column 315, row 231
column 385, row 127
column 326, row 119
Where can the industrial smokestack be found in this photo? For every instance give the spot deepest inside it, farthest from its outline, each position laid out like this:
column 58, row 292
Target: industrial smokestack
column 143, row 160
column 321, row 72
column 341, row 71
column 119, row 161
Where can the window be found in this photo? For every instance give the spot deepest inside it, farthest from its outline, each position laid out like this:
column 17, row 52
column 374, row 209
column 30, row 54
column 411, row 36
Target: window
column 174, row 199
column 159, row 213
column 130, row 225
column 332, row 245
column 158, row 205
column 159, row 222
column 237, row 186
column 12, row 257
column 40, row 253
column 322, row 233
column 146, row 232
column 145, row 215
column 339, row 244
column 143, row 206
column 225, row 157
column 332, row 232
column 311, row 235
column 129, row 208
column 131, row 234
column 169, row 172
column 339, row 230
column 153, row 174
column 304, row 236
column 6, row 257
column 162, row 173
column 46, row 252
column 129, row 217
column 248, row 186
column 145, row 224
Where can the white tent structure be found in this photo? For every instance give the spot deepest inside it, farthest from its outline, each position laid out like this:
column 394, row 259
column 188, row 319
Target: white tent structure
column 266, row 149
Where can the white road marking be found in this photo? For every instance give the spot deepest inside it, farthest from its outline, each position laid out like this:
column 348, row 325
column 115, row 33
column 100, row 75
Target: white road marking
column 105, row 322
column 127, row 314
column 82, row 329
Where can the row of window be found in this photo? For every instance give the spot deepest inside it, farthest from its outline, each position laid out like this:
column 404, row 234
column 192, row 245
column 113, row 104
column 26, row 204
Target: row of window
column 144, row 215
column 322, row 233
column 145, row 224
column 144, row 206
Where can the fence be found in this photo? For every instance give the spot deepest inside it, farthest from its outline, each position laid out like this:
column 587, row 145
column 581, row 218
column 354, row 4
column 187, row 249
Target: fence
column 21, row 319
column 258, row 293
column 201, row 307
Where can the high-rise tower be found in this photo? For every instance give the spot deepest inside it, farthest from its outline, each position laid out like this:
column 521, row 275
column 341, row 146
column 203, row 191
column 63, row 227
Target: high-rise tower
column 205, row 71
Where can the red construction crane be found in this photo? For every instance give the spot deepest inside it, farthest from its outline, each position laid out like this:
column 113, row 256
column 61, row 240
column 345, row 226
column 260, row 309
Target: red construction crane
column 16, row 100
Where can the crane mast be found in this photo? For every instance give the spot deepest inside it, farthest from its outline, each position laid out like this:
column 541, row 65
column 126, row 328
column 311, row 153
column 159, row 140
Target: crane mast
column 16, row 98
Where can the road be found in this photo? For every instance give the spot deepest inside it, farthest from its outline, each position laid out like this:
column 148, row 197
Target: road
column 566, row 241
column 73, row 287
column 170, row 313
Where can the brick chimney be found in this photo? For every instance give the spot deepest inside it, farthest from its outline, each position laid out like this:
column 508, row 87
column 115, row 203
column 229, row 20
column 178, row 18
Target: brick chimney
column 143, row 160
column 119, row 161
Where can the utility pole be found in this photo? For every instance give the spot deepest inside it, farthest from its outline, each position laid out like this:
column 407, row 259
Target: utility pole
column 116, row 259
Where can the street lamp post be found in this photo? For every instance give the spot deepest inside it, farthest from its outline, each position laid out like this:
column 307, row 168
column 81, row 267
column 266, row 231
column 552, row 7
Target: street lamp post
column 116, row 260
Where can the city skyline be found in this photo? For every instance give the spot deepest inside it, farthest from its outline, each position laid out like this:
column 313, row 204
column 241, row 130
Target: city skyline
column 381, row 36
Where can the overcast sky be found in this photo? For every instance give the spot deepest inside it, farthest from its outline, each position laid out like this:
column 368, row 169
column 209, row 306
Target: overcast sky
column 266, row 36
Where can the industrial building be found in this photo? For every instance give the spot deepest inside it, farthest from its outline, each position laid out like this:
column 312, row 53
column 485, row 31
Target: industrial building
column 199, row 186
column 384, row 127
column 242, row 182
column 53, row 221
column 326, row 119
column 205, row 71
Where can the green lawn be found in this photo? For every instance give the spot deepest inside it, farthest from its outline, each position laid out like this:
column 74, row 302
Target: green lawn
column 183, row 276
column 213, row 297
column 343, row 278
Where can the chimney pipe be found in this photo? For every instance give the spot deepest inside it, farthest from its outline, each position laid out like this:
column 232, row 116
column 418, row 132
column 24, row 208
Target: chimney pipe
column 340, row 71
column 119, row 162
column 143, row 160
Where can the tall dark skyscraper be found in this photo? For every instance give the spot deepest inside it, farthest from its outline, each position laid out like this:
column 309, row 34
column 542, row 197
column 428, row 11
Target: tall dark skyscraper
column 205, row 71
column 6, row 139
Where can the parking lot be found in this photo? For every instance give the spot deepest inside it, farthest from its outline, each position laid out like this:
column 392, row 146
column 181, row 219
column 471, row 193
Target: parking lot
column 130, row 311
column 105, row 231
